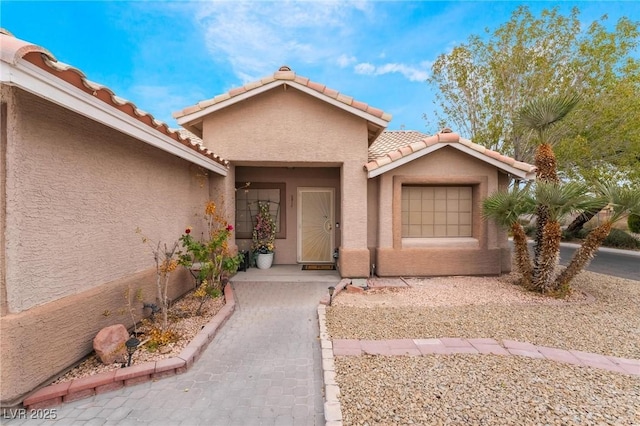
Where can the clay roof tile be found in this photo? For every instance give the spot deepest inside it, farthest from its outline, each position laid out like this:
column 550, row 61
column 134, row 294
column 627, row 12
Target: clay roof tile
column 13, row 50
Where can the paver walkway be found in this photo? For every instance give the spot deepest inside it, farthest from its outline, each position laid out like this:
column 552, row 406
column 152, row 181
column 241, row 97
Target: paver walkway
column 263, row 368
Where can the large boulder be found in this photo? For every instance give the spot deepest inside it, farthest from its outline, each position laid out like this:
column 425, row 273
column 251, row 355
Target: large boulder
column 109, row 344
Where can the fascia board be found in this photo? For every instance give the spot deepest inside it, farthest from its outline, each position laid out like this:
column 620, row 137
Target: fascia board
column 34, row 80
column 355, row 111
column 499, row 164
column 404, row 160
column 195, row 116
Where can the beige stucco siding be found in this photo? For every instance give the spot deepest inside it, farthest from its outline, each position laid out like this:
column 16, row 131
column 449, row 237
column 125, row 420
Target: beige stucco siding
column 487, row 254
column 286, row 127
column 75, row 193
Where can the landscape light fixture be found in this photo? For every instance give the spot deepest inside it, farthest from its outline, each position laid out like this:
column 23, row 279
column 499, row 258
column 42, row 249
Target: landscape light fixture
column 331, row 290
column 132, row 345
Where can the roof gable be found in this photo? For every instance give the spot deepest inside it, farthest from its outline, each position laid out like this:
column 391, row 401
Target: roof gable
column 402, row 147
column 36, row 70
column 191, row 117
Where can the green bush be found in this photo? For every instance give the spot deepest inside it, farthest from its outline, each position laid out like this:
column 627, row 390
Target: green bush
column 634, row 223
column 620, row 239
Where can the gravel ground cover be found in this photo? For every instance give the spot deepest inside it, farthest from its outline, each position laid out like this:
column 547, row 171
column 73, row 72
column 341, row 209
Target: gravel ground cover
column 482, row 390
column 183, row 322
column 603, row 316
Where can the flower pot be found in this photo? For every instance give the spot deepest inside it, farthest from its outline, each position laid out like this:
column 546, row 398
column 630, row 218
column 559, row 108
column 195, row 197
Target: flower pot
column 264, row 260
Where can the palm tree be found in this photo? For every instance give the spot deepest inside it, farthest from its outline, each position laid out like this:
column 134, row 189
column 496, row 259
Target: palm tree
column 541, row 117
column 558, row 200
column 622, row 201
column 553, row 201
column 505, row 208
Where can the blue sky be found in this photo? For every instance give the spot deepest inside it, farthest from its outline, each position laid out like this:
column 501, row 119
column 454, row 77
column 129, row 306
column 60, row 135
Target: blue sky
column 164, row 56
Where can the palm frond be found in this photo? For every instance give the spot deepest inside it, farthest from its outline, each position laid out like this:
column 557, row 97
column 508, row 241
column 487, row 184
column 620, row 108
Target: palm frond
column 621, row 200
column 541, row 113
column 505, row 207
column 562, row 199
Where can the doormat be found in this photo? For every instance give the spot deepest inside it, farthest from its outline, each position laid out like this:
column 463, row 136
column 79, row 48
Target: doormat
column 322, row 267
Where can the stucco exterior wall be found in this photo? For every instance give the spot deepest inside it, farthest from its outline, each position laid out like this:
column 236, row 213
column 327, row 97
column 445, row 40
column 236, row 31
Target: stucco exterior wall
column 75, row 193
column 286, row 127
column 447, row 166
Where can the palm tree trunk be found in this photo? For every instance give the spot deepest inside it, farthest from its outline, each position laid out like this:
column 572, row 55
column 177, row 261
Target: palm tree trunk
column 542, row 217
column 549, row 250
column 583, row 255
column 546, row 163
column 523, row 260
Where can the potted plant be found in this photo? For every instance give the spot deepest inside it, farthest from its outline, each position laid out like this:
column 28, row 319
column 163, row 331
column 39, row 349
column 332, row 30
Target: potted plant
column 264, row 236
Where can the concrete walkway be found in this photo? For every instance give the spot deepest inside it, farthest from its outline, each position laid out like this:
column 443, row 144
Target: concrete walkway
column 262, row 368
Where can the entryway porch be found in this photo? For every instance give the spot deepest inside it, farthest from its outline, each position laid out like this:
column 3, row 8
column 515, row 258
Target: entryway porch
column 287, row 273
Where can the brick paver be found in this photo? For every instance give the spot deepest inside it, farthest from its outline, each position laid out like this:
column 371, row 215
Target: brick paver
column 264, row 367
column 455, row 345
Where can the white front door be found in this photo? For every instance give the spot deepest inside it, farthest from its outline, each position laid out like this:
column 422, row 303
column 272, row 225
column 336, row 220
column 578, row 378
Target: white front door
column 315, row 224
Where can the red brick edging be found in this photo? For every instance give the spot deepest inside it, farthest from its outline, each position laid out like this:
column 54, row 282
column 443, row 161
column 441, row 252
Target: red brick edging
column 85, row 387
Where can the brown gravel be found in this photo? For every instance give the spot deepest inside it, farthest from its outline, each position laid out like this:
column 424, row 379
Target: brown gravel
column 185, row 324
column 602, row 317
column 482, row 390
column 607, row 322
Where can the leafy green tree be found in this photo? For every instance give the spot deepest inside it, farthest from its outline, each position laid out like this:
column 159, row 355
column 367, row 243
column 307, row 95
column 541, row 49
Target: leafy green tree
column 484, row 82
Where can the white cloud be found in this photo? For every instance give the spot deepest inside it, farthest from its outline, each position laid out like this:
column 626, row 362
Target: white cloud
column 411, row 73
column 256, row 38
column 365, row 68
column 345, row 60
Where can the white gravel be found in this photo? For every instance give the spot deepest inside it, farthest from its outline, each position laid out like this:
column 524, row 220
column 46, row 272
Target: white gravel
column 602, row 317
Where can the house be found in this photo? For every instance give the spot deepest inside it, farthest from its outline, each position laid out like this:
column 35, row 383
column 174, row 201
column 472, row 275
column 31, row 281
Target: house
column 399, row 202
column 82, row 169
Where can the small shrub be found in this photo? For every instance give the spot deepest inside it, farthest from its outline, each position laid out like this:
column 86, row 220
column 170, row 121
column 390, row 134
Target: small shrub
column 620, row 239
column 634, row 223
column 156, row 337
column 203, row 292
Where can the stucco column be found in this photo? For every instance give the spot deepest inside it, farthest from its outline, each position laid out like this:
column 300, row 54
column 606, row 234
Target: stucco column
column 222, row 190
column 385, row 212
column 354, row 254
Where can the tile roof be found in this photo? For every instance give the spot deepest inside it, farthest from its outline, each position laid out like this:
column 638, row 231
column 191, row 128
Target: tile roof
column 391, row 140
column 13, row 50
column 394, row 148
column 286, row 76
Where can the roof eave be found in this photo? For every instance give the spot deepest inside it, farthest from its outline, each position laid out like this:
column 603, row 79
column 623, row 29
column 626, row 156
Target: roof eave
column 513, row 171
column 33, row 79
column 197, row 116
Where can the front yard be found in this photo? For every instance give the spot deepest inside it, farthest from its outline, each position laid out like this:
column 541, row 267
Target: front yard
column 602, row 317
